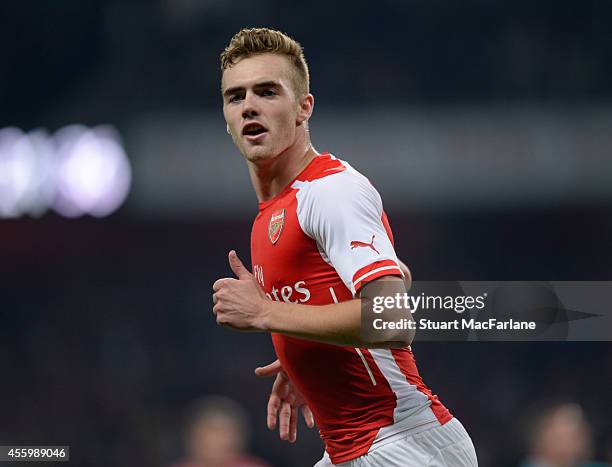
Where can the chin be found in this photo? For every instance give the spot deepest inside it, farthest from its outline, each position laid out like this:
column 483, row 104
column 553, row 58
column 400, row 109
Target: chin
column 258, row 154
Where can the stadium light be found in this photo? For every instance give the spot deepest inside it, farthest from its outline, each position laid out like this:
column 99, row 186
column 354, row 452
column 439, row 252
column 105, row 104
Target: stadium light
column 76, row 171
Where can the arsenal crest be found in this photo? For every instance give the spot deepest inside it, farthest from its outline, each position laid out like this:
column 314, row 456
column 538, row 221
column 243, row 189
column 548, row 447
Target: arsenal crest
column 275, row 227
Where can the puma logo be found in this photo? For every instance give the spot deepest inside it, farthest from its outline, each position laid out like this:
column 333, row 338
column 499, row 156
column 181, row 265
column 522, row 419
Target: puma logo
column 357, row 243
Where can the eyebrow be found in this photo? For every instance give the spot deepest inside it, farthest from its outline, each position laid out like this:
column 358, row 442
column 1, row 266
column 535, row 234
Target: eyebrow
column 264, row 84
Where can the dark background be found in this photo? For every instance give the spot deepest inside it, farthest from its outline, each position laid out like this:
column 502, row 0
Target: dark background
column 106, row 332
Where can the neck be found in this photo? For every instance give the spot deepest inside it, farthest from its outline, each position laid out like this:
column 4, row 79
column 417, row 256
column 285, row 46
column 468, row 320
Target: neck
column 270, row 177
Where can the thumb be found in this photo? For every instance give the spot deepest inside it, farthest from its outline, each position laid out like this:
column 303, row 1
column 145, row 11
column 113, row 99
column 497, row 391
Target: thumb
column 272, row 369
column 237, row 266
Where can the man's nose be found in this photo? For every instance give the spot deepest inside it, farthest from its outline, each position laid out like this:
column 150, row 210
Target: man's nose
column 249, row 106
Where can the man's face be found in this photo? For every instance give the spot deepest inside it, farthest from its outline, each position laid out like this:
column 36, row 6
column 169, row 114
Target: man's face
column 260, row 106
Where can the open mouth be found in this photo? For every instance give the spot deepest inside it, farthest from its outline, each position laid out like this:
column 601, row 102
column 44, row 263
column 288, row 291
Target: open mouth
column 254, row 129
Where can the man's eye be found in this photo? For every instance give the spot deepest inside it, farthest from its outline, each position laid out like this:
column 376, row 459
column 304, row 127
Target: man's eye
column 234, row 98
column 268, row 92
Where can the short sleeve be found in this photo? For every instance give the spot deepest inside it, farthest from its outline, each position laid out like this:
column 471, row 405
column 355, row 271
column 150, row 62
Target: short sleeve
column 343, row 212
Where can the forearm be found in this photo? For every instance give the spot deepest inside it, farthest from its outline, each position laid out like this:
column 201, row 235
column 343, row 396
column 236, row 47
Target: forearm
column 337, row 323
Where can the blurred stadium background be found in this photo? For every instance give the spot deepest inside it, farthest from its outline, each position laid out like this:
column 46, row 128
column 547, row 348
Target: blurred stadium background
column 486, row 126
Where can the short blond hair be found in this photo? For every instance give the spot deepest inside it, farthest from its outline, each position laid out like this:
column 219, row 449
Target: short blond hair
column 254, row 41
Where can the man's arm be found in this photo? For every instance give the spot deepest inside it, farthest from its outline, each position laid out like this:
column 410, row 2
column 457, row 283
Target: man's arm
column 241, row 304
column 339, row 323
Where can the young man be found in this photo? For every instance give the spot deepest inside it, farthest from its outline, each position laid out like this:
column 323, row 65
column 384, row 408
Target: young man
column 321, row 234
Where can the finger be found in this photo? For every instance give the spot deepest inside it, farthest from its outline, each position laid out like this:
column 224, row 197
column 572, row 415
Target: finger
column 279, row 388
column 219, row 283
column 220, row 318
column 237, row 266
column 308, row 418
column 221, row 315
column 271, row 369
column 293, row 425
column 284, row 417
column 273, row 406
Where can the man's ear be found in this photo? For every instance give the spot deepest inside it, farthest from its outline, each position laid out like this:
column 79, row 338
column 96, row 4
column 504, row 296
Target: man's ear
column 306, row 106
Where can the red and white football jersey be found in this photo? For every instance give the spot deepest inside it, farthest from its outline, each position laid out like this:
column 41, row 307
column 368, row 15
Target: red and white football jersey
column 317, row 242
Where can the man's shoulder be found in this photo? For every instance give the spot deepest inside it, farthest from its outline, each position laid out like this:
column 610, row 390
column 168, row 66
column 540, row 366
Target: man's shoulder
column 340, row 193
column 331, row 178
column 321, row 166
